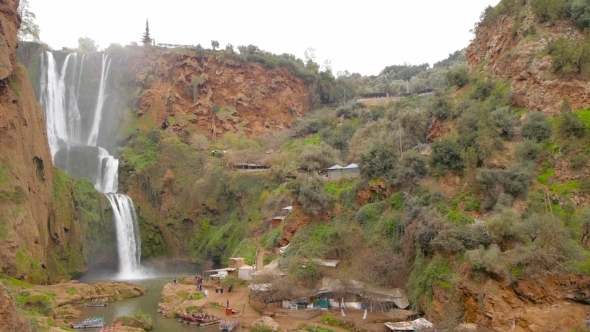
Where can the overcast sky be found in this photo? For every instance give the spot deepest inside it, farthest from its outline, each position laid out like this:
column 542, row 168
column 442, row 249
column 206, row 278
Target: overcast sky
column 359, row 36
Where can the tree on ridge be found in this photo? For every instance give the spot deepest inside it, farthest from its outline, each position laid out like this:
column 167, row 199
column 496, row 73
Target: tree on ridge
column 146, row 39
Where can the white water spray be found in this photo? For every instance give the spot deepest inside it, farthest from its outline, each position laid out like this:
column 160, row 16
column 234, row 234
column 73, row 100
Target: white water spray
column 59, row 98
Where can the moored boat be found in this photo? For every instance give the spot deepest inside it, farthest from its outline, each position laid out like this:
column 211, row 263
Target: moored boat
column 89, row 323
column 227, row 325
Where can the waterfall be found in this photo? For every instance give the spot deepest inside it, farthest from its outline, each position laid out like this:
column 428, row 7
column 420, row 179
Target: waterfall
column 127, row 233
column 59, row 97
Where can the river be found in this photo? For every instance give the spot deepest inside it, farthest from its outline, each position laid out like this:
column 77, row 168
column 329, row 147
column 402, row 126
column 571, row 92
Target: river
column 148, row 303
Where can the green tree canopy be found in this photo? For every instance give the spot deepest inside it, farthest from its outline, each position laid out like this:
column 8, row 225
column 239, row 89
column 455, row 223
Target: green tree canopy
column 87, row 44
column 29, row 30
column 146, row 39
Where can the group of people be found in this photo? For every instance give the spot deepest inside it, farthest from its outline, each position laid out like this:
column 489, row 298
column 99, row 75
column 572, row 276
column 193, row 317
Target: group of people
column 199, row 283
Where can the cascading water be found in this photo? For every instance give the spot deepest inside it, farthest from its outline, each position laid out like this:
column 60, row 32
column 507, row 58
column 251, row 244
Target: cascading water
column 66, row 124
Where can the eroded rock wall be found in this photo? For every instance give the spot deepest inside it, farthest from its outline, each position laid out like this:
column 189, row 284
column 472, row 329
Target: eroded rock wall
column 43, row 217
column 512, row 54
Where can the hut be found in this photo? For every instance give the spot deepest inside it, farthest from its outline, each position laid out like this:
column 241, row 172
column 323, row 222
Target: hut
column 236, row 262
column 245, row 272
column 335, row 171
column 276, row 221
column 351, row 169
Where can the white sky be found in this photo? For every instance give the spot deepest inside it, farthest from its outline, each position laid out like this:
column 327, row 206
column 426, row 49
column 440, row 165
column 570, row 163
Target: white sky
column 359, row 36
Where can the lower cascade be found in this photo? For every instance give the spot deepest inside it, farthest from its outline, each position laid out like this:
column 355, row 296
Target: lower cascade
column 67, row 123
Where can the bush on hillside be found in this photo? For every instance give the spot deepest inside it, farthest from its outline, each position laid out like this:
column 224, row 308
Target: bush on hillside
column 460, row 238
column 504, row 120
column 309, row 125
column 446, row 156
column 440, row 105
column 549, row 10
column 578, row 161
column 411, row 168
column 579, row 11
column 536, row 127
column 458, row 76
column 377, row 162
column 569, row 57
column 527, row 150
column 317, row 157
column 313, row 196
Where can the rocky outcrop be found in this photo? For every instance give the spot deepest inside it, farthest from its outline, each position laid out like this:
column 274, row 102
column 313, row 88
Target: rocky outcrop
column 216, row 94
column 544, row 304
column 519, row 59
column 10, row 317
column 44, row 215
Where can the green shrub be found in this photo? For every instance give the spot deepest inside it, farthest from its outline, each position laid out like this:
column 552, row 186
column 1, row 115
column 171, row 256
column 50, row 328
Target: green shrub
column 549, row 10
column 569, row 57
column 504, row 120
column 578, row 161
column 309, row 125
column 570, row 125
column 370, row 213
column 397, row 200
column 460, row 238
column 313, row 196
column 377, row 162
column 536, row 127
column 446, row 156
column 527, row 150
column 411, row 168
column 458, row 76
column 579, row 11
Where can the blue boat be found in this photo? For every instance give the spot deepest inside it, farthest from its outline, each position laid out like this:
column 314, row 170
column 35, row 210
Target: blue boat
column 90, row 323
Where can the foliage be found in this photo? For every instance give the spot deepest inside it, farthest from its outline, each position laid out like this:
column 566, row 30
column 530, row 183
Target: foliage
column 230, row 281
column 412, row 168
column 87, row 45
column 569, row 124
column 458, row 76
column 377, row 162
column 527, row 150
column 579, row 12
column 536, row 127
column 137, row 319
column 370, row 213
column 309, row 125
column 569, row 57
column 29, row 30
column 146, row 39
column 313, row 196
column 578, row 161
column 460, row 238
column 316, row 158
column 425, row 277
column 549, row 10
column 446, row 156
column 513, row 181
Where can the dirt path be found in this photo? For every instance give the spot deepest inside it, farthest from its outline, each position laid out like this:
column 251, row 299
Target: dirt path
column 260, row 257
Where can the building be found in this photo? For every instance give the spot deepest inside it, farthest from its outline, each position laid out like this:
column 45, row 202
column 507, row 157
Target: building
column 276, row 221
column 245, row 272
column 338, row 171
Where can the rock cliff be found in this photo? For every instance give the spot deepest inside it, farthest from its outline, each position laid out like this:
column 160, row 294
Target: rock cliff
column 513, row 49
column 42, row 216
column 216, row 93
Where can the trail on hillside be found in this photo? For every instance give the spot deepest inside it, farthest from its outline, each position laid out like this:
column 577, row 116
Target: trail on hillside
column 259, row 256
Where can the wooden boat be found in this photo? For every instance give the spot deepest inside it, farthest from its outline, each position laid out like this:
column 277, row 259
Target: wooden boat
column 96, row 304
column 198, row 319
column 227, row 325
column 90, row 323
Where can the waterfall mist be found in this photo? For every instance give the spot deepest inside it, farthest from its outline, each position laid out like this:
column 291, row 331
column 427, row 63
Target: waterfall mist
column 80, row 134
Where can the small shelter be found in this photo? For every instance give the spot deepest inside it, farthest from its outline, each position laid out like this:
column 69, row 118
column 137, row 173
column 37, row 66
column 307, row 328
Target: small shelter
column 245, row 272
column 350, row 169
column 415, row 325
column 335, row 171
column 288, row 208
column 276, row 221
column 251, row 166
column 219, row 273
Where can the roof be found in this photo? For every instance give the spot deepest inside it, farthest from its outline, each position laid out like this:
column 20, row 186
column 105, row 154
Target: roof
column 409, row 326
column 246, row 267
column 336, row 167
column 290, row 207
column 271, row 269
column 323, row 262
column 278, row 218
column 259, row 287
column 395, row 295
column 351, row 166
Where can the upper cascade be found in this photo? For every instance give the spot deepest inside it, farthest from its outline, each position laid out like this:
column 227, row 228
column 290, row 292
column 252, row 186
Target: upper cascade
column 75, row 135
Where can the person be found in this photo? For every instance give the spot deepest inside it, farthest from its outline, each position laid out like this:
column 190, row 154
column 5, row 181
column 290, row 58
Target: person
column 175, row 281
column 229, row 288
column 228, row 303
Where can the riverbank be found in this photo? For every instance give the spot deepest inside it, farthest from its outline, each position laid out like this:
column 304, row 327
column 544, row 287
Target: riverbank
column 181, row 297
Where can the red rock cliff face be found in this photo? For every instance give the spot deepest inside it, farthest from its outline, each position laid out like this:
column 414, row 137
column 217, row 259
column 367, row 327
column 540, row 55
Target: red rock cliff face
column 25, row 161
column 217, row 95
column 519, row 59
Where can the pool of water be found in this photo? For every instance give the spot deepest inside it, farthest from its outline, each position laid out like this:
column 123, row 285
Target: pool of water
column 147, row 303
